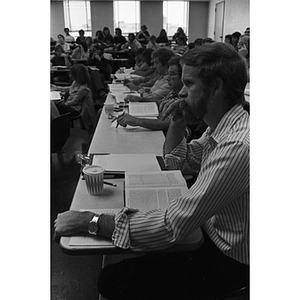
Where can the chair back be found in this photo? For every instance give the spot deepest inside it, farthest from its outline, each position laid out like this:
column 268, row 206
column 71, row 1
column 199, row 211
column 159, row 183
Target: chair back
column 88, row 113
column 60, row 131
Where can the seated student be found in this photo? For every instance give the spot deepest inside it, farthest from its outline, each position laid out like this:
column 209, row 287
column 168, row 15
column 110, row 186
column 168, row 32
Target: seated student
column 162, row 39
column 175, row 83
column 76, row 93
column 143, row 36
column 99, row 38
column 228, row 39
column 152, row 43
column 244, row 50
column 119, row 39
column 180, row 33
column 181, row 46
column 235, row 39
column 160, row 88
column 138, row 59
column 68, row 37
column 108, row 42
column 81, row 51
column 81, row 37
column 100, row 62
column 90, row 45
column 132, row 43
column 214, row 78
column 61, row 41
column 60, row 59
column 106, row 32
column 145, row 68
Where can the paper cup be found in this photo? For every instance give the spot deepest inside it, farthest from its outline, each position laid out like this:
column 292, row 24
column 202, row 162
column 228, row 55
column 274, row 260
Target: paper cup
column 93, row 176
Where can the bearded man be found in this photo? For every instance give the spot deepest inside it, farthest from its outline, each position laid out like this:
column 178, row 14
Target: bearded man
column 214, row 78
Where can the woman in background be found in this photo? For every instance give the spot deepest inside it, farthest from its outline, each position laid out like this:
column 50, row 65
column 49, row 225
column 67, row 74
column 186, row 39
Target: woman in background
column 145, row 68
column 77, row 93
column 163, row 38
column 61, row 41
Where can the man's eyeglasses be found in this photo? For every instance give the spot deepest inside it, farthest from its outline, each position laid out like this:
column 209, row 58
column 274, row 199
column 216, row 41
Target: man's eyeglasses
column 172, row 75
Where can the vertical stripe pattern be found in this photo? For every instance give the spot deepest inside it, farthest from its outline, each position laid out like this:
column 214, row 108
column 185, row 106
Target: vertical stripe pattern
column 218, row 201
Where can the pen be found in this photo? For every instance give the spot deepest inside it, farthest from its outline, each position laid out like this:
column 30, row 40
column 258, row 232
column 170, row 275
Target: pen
column 120, row 115
column 109, row 183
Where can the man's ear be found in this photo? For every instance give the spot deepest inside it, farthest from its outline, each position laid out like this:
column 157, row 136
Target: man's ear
column 218, row 87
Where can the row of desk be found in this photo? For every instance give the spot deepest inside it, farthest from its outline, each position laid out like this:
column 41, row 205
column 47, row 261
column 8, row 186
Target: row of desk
column 108, row 139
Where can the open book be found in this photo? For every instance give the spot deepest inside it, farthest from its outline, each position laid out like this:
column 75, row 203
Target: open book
column 143, row 109
column 151, row 190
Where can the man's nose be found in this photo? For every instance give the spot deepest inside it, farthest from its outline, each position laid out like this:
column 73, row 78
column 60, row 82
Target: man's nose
column 183, row 92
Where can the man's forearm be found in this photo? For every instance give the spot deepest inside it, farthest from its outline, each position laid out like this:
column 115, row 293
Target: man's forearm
column 175, row 135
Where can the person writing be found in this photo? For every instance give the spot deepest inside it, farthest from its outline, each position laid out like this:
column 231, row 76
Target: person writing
column 214, row 78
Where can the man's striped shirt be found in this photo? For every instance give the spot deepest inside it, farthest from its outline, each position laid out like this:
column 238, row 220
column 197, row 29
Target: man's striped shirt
column 218, row 201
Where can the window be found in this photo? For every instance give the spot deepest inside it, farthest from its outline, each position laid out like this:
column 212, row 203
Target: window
column 78, row 16
column 175, row 15
column 127, row 16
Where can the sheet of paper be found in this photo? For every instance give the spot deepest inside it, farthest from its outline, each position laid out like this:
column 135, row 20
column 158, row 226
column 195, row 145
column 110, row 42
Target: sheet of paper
column 152, row 198
column 132, row 128
column 154, row 179
column 55, row 95
column 127, row 162
column 88, row 240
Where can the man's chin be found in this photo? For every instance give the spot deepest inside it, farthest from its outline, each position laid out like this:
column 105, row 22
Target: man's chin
column 191, row 118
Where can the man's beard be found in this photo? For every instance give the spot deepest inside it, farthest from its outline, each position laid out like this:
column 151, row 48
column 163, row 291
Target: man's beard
column 195, row 114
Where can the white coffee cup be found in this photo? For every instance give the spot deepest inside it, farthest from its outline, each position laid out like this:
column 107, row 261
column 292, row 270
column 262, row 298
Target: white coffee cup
column 93, row 176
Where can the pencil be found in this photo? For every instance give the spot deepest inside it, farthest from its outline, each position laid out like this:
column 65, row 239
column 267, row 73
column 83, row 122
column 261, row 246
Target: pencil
column 109, row 183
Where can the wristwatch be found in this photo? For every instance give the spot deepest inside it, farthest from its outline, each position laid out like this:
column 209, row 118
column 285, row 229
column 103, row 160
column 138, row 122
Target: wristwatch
column 93, row 225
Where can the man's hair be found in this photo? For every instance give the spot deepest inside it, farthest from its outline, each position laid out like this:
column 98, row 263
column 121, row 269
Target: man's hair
column 219, row 60
column 80, row 73
column 119, row 29
column 236, row 35
column 163, row 55
column 146, row 55
column 198, row 41
column 59, row 47
column 175, row 61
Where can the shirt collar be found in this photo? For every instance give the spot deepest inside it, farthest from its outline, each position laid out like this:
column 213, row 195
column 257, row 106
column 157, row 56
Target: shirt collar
column 226, row 123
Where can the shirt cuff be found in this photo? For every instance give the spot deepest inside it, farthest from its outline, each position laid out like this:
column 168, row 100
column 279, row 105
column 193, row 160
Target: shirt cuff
column 120, row 235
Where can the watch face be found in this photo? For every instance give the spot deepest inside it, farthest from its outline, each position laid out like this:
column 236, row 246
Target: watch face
column 93, row 228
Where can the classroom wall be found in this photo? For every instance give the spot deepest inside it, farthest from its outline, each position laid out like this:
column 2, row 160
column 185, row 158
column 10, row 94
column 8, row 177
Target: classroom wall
column 152, row 16
column 102, row 15
column 57, row 19
column 198, row 19
column 236, row 16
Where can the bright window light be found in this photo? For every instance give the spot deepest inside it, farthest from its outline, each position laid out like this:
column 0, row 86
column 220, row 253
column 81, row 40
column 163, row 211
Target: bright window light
column 175, row 15
column 78, row 16
column 127, row 16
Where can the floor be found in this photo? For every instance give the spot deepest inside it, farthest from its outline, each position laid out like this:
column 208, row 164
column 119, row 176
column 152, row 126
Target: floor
column 72, row 277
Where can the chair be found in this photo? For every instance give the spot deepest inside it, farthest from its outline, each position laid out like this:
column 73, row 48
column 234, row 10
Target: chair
column 87, row 118
column 60, row 131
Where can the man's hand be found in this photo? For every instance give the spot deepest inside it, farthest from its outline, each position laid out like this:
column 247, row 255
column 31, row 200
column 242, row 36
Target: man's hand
column 126, row 119
column 71, row 222
column 132, row 98
column 173, row 109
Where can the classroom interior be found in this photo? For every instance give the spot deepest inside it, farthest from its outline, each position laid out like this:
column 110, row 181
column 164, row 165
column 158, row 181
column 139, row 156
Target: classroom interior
column 74, row 277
